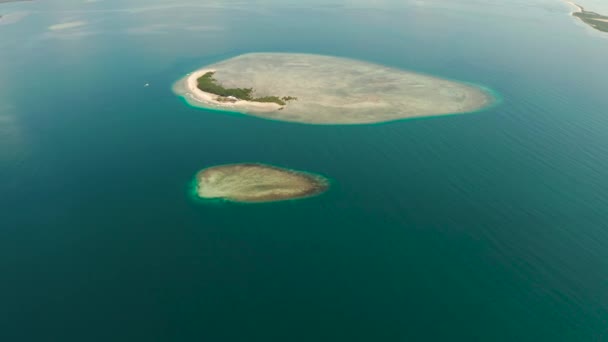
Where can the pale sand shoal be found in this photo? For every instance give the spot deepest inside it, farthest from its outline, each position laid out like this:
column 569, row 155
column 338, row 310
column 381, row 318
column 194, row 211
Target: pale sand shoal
column 66, row 26
column 211, row 99
column 252, row 182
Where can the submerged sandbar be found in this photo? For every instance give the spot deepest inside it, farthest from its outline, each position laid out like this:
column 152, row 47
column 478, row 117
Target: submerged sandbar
column 255, row 183
column 330, row 90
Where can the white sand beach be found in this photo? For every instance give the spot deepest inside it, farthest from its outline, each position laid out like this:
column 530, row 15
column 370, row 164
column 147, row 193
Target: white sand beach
column 191, row 85
column 578, row 8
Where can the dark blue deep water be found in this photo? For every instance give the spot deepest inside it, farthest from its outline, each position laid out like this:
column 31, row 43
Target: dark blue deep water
column 482, row 227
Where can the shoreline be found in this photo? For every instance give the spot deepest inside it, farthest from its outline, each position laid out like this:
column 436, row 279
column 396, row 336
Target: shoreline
column 579, row 8
column 193, row 92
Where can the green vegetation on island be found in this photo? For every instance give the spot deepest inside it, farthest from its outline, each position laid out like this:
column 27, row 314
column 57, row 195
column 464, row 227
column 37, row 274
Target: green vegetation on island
column 595, row 20
column 209, row 84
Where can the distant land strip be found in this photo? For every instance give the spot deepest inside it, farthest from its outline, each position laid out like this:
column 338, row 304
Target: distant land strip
column 4, row 1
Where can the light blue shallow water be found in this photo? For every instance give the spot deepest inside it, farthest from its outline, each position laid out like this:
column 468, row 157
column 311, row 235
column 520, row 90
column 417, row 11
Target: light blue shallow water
column 481, row 227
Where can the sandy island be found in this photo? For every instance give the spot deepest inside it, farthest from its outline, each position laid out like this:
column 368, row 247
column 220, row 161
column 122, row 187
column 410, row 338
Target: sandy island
column 592, row 19
column 256, row 183
column 331, row 90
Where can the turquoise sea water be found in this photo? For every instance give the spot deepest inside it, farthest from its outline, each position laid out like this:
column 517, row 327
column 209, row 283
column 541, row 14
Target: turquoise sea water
column 483, row 227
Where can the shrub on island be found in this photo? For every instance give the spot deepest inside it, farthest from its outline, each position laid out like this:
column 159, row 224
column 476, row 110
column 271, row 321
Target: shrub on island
column 209, row 84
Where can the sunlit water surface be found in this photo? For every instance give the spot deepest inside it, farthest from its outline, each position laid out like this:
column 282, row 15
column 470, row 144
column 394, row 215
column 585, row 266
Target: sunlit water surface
column 483, row 227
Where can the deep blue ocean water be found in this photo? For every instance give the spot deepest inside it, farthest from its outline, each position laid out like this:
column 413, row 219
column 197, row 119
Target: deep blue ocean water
column 482, row 227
